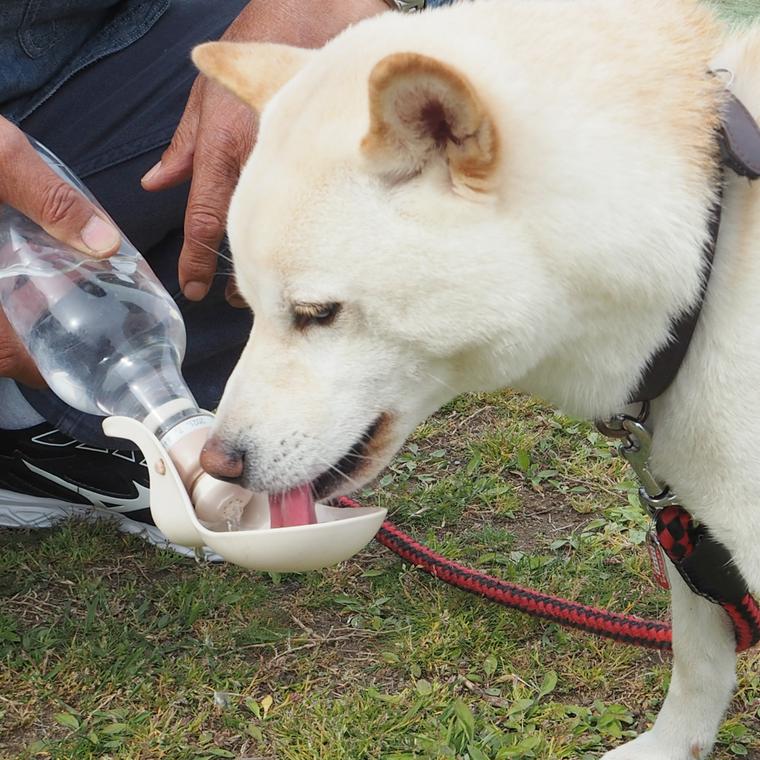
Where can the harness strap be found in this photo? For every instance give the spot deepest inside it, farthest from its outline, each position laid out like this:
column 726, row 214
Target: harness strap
column 740, row 143
column 705, row 565
column 702, row 561
column 664, row 365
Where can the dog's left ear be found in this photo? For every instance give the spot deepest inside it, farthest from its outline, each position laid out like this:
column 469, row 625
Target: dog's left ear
column 420, row 107
column 253, row 71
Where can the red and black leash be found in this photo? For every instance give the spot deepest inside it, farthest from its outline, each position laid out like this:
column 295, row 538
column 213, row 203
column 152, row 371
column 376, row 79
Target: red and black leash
column 743, row 610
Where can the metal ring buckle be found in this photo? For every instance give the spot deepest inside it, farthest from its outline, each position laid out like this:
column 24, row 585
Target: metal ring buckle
column 636, row 448
column 614, row 427
column 724, row 70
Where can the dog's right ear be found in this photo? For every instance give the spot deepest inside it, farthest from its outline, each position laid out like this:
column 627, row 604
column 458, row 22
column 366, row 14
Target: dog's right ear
column 420, row 107
column 253, row 71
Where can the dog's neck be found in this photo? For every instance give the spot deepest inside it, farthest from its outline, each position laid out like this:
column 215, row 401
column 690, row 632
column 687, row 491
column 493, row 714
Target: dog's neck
column 597, row 375
column 620, row 377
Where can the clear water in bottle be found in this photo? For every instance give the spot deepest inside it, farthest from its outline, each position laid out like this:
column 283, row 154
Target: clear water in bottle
column 109, row 340
column 105, row 334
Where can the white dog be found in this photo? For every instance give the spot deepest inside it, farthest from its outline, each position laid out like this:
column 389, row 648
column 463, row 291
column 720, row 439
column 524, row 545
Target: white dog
column 504, row 193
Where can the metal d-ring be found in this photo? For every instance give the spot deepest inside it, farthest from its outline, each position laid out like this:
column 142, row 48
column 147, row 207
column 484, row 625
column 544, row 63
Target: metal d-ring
column 614, row 427
column 723, row 70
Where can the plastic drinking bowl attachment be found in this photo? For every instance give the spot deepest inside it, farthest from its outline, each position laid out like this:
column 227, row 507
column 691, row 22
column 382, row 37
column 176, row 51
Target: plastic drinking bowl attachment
column 337, row 535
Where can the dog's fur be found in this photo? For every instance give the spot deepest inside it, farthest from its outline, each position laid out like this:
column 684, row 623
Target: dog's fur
column 505, row 193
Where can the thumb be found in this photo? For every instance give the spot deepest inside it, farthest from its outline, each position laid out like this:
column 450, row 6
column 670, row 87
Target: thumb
column 29, row 185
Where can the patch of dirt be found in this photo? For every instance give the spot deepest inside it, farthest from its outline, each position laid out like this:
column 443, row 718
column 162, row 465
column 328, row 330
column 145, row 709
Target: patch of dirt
column 25, row 732
column 543, row 518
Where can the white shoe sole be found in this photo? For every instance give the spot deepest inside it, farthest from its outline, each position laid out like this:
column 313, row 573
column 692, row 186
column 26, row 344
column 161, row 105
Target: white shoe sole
column 32, row 512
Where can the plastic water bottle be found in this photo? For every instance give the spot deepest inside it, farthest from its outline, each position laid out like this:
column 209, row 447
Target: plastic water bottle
column 109, row 340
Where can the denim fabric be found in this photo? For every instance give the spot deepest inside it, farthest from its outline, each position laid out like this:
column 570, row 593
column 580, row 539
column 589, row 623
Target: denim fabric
column 110, row 124
column 45, row 42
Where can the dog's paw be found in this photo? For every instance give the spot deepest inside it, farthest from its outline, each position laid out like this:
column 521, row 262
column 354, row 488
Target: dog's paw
column 650, row 747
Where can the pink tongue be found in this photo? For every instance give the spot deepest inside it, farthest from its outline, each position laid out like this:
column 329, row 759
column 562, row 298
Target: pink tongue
column 294, row 507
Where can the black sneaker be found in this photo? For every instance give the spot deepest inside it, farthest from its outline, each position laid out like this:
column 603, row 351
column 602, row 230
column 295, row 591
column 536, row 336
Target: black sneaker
column 46, row 477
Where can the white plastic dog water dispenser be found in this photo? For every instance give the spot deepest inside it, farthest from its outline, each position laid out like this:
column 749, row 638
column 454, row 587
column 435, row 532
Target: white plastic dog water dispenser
column 337, row 535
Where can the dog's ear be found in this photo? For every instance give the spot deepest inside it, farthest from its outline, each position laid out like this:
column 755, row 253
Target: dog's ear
column 253, row 71
column 418, row 107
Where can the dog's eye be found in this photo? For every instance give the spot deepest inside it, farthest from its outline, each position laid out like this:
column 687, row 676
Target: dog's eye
column 322, row 314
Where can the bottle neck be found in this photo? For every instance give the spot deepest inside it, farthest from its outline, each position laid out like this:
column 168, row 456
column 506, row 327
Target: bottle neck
column 183, row 433
column 184, row 423
column 169, row 420
column 151, row 389
column 183, row 430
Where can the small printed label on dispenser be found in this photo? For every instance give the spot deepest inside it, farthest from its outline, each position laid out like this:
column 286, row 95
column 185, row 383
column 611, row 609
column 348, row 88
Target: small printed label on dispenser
column 185, row 427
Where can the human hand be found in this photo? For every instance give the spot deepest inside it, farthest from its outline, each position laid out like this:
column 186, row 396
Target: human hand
column 217, row 132
column 31, row 187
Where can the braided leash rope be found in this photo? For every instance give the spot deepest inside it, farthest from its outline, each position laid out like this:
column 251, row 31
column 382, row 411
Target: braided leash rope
column 625, row 628
column 629, row 629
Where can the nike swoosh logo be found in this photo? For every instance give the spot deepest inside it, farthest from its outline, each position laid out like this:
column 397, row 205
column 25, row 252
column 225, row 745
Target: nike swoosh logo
column 54, row 438
column 115, row 504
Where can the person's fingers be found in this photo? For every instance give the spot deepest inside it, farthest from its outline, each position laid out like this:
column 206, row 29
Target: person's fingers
column 29, row 185
column 220, row 151
column 15, row 362
column 204, row 228
column 176, row 164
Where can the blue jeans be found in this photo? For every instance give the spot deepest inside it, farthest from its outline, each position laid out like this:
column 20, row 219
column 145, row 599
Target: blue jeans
column 110, row 124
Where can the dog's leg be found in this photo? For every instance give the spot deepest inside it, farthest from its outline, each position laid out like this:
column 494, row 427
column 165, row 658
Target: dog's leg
column 703, row 680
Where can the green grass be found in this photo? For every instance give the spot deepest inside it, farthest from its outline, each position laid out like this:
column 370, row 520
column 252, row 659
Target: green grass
column 738, row 9
column 111, row 649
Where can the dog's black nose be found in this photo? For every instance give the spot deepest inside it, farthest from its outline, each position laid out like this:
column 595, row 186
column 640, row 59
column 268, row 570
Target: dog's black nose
column 220, row 460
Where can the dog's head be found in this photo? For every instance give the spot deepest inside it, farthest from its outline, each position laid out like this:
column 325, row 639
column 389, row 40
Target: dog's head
column 370, row 238
column 345, row 230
